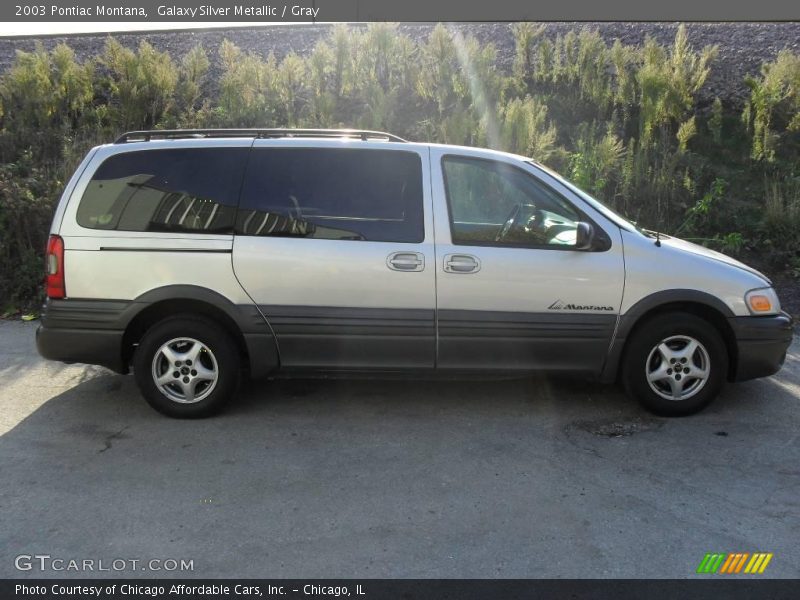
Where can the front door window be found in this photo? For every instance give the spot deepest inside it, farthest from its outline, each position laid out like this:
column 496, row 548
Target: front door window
column 496, row 204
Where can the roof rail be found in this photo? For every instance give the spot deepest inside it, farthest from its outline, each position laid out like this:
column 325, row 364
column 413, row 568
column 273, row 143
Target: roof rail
column 172, row 134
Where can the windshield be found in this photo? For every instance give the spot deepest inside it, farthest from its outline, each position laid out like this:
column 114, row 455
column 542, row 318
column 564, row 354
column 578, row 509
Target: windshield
column 596, row 204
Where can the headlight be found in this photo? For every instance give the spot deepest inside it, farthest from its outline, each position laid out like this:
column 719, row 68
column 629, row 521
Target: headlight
column 763, row 301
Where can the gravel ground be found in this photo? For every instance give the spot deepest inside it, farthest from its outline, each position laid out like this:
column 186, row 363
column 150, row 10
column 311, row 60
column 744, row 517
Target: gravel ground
column 742, row 46
column 452, row 479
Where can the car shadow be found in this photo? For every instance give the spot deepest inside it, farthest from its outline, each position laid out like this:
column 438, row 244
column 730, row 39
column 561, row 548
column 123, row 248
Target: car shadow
column 329, row 473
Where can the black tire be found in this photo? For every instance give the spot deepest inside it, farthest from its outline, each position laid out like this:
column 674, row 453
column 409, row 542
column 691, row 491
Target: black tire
column 217, row 349
column 642, row 356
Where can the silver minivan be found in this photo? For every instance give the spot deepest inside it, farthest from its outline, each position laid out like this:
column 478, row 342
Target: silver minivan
column 196, row 255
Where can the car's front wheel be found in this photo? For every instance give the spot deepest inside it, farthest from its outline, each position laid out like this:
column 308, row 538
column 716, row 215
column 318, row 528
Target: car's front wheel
column 187, row 367
column 675, row 364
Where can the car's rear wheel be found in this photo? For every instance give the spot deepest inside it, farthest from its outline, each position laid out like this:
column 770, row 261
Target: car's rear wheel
column 675, row 364
column 187, row 367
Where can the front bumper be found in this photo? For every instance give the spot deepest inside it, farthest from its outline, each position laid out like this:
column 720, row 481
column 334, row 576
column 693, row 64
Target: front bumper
column 761, row 344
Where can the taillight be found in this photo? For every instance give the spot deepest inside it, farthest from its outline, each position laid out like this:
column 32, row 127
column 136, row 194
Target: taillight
column 54, row 279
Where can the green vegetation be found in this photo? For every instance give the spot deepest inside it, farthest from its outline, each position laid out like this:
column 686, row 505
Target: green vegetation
column 624, row 122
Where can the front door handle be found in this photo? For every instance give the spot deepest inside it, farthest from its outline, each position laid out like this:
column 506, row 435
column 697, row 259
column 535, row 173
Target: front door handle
column 461, row 263
column 406, row 261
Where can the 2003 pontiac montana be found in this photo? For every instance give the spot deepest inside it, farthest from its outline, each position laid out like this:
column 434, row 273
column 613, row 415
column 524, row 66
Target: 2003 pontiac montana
column 194, row 255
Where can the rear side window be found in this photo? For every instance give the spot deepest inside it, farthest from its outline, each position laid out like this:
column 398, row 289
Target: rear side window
column 180, row 190
column 332, row 193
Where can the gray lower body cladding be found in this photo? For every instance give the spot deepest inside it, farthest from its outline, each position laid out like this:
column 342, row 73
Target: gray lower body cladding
column 402, row 339
column 85, row 331
column 91, row 346
column 513, row 341
column 319, row 337
column 761, row 344
column 358, row 339
column 93, row 332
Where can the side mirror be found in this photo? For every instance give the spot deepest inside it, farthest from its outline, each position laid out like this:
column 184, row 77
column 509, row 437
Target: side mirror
column 584, row 236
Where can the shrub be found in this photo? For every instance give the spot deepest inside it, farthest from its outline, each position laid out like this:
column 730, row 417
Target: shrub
column 622, row 120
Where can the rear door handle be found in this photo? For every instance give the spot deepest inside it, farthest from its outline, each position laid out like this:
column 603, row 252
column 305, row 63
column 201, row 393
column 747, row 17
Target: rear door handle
column 406, row 261
column 461, row 263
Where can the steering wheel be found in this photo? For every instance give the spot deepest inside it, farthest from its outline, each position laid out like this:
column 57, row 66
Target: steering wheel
column 298, row 212
column 539, row 220
column 510, row 222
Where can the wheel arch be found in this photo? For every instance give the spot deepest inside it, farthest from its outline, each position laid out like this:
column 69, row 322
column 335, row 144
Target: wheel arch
column 698, row 303
column 245, row 324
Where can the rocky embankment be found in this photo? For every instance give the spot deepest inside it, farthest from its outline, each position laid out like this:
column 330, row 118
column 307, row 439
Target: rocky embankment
column 743, row 47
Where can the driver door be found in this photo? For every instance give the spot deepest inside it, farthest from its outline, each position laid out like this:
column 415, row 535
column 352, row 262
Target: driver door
column 514, row 292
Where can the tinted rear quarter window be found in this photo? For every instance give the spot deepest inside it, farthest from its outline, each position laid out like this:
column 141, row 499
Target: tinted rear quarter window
column 332, row 193
column 173, row 190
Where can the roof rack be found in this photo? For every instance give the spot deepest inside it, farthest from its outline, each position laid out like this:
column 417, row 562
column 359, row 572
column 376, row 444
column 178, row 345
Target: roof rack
column 173, row 134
